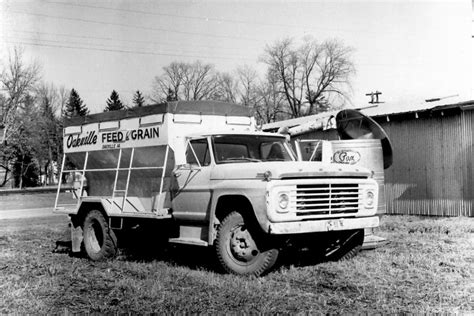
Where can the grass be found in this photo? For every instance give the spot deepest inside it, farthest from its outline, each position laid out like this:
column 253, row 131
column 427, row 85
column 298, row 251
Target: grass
column 428, row 267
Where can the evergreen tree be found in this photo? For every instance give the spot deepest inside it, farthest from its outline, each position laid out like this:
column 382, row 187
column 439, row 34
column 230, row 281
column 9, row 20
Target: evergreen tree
column 172, row 95
column 75, row 106
column 138, row 99
column 114, row 103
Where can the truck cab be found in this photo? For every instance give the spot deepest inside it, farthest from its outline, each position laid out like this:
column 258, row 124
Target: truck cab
column 203, row 172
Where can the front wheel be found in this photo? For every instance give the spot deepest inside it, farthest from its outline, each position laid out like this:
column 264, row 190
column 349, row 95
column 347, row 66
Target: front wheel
column 239, row 251
column 100, row 242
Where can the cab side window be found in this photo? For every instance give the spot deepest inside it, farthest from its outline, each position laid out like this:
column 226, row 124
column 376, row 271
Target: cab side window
column 198, row 148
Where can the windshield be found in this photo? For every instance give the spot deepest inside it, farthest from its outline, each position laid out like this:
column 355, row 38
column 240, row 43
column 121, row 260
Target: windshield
column 245, row 148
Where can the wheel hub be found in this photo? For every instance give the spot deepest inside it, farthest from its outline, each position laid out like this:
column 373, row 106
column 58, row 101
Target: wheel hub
column 242, row 245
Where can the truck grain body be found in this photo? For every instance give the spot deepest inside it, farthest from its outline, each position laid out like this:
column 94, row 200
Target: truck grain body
column 201, row 172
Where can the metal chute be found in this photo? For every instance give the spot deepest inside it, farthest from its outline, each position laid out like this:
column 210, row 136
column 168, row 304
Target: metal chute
column 352, row 124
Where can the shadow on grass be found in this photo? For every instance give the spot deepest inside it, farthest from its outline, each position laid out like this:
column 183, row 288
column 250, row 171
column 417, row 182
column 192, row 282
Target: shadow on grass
column 139, row 247
column 193, row 257
column 149, row 246
column 300, row 257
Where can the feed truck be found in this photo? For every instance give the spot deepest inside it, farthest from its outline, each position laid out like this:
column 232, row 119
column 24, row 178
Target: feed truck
column 200, row 173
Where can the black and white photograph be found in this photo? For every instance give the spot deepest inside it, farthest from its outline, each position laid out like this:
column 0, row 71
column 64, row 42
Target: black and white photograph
column 217, row 157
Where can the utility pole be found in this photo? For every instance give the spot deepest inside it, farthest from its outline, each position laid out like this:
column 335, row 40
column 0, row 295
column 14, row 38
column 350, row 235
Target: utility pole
column 374, row 97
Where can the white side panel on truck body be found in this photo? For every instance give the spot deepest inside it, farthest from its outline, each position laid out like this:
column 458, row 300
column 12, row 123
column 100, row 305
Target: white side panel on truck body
column 125, row 164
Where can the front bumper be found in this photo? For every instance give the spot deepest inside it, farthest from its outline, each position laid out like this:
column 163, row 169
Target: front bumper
column 324, row 225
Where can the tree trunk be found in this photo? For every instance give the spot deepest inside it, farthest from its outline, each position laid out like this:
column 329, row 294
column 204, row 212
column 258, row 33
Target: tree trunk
column 21, row 177
column 49, row 168
column 5, row 177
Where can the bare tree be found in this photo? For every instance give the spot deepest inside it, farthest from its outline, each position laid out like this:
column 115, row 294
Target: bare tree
column 48, row 146
column 282, row 60
column 311, row 74
column 63, row 97
column 328, row 69
column 199, row 81
column 48, row 96
column 248, row 81
column 24, row 144
column 6, row 153
column 270, row 103
column 185, row 81
column 17, row 82
column 226, row 88
column 170, row 80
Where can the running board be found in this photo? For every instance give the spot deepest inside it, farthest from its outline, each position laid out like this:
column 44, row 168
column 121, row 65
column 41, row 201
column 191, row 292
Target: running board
column 188, row 241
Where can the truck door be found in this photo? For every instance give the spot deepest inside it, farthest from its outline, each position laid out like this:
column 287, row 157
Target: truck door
column 191, row 191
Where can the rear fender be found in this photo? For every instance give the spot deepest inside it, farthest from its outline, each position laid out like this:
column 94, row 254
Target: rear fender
column 77, row 220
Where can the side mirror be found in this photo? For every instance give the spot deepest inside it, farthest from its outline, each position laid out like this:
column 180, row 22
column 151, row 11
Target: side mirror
column 188, row 166
column 185, row 166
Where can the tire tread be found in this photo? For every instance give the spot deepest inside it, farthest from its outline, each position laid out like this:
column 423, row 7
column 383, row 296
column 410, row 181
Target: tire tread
column 269, row 257
column 109, row 247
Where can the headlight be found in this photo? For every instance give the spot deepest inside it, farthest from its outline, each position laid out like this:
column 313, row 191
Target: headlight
column 283, row 200
column 369, row 198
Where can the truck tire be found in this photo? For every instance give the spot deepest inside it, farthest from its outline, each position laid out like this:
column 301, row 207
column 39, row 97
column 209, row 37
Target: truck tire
column 237, row 248
column 344, row 245
column 100, row 242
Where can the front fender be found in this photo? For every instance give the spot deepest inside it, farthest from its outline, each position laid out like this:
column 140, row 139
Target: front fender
column 254, row 191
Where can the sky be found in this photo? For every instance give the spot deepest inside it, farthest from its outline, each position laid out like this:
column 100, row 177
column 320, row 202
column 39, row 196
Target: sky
column 408, row 50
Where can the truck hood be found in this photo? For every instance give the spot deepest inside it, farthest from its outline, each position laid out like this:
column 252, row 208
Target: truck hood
column 286, row 169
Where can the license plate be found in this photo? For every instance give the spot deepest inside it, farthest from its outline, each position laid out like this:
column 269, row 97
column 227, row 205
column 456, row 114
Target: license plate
column 334, row 224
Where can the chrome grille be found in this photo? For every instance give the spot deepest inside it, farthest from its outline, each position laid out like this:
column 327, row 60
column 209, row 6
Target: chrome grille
column 327, row 199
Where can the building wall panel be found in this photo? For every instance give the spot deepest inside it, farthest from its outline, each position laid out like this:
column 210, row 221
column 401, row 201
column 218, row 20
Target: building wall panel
column 432, row 173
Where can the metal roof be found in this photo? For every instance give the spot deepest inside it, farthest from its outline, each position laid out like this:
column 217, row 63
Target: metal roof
column 176, row 107
column 419, row 108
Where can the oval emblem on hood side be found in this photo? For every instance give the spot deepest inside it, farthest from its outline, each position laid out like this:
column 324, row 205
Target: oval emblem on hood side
column 346, row 156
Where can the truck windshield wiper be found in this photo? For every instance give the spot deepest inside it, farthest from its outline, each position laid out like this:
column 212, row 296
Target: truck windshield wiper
column 233, row 159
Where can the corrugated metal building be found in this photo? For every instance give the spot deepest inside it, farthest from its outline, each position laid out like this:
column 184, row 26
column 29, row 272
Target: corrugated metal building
column 432, row 171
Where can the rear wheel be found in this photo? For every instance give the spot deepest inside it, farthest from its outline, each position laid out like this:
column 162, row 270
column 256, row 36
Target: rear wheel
column 100, row 242
column 240, row 250
column 344, row 245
